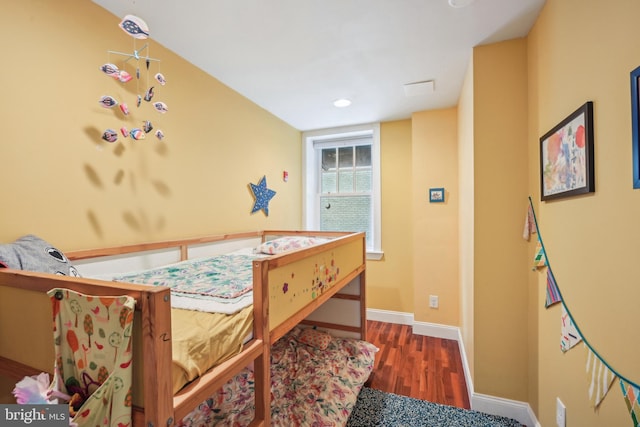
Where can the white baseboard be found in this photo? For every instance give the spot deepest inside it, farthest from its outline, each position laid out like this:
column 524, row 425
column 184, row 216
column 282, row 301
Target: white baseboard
column 520, row 411
column 465, row 365
column 390, row 316
column 436, row 330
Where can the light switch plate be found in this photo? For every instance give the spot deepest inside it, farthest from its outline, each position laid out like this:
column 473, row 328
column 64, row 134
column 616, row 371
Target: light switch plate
column 433, row 301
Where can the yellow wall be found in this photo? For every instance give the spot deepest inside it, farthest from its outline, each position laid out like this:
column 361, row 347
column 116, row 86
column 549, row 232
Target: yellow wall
column 435, row 225
column 580, row 51
column 390, row 280
column 62, row 182
column 500, row 201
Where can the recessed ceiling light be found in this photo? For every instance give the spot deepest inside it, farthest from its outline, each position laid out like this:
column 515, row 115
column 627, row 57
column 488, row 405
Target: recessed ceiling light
column 460, row 3
column 343, row 102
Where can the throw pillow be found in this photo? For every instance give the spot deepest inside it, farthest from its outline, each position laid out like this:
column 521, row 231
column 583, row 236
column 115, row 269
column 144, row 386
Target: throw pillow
column 315, row 338
column 288, row 243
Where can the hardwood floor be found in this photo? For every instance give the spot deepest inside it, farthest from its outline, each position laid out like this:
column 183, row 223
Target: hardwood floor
column 417, row 366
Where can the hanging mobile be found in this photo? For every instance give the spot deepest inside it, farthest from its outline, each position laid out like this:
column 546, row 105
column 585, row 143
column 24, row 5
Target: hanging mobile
column 138, row 29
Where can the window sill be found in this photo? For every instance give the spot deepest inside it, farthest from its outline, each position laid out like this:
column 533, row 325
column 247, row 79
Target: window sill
column 374, row 255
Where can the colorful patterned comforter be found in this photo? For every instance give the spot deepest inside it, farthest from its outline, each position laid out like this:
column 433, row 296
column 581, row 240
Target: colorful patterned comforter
column 218, row 284
column 309, row 386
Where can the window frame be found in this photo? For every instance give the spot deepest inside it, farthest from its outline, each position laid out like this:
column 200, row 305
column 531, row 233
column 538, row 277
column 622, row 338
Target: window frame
column 311, row 184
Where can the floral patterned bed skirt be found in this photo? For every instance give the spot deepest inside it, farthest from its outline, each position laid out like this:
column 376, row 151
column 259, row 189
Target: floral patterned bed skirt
column 310, row 386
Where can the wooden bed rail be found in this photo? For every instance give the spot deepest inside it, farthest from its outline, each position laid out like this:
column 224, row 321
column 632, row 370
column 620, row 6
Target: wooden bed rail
column 328, row 234
column 42, row 282
column 183, row 244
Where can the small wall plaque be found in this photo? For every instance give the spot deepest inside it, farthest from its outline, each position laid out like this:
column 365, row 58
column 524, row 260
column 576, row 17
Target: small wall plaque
column 436, row 195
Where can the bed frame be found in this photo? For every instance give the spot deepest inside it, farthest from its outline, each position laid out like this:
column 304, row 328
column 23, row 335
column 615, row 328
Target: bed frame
column 26, row 342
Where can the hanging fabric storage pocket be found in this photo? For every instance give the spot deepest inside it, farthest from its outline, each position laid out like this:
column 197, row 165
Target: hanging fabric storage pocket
column 93, row 349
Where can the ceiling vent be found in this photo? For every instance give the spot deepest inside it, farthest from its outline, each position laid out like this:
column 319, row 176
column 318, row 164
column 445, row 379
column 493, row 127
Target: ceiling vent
column 419, row 88
column 460, row 3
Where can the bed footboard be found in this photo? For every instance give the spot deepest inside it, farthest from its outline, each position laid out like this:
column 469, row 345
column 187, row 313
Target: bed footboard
column 328, row 277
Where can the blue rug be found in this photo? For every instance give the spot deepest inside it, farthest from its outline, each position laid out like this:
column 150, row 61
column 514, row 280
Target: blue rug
column 377, row 408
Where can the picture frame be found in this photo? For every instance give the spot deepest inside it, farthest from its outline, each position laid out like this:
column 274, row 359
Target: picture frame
column 566, row 156
column 436, row 195
column 635, row 123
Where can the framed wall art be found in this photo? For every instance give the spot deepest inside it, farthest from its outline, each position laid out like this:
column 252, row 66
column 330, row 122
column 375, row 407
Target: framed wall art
column 436, row 195
column 566, row 156
column 635, row 112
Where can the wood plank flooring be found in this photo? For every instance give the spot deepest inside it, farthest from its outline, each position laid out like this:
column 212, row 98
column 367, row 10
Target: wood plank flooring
column 417, row 366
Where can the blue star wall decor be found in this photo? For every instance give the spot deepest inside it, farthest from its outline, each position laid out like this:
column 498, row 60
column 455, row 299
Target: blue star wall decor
column 262, row 195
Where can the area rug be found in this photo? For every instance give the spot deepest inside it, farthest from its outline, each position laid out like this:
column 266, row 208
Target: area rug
column 377, row 408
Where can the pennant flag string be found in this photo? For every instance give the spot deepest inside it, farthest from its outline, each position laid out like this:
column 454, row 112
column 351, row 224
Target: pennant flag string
column 561, row 298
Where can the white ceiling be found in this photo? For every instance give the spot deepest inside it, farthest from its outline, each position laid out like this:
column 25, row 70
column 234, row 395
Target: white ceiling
column 295, row 57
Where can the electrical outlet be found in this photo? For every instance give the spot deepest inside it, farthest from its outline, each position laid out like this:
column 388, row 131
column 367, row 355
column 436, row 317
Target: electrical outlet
column 561, row 413
column 433, row 301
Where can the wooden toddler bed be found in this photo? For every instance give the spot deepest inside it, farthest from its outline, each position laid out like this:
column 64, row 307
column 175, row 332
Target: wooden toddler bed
column 321, row 285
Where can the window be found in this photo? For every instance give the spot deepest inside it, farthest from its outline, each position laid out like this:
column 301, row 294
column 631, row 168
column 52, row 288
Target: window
column 342, row 182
